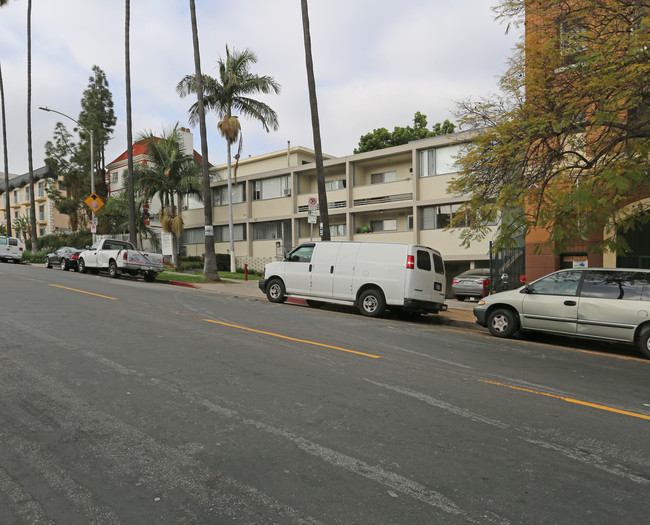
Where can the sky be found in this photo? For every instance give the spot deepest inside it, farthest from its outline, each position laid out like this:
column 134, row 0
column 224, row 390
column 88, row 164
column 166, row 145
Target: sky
column 376, row 63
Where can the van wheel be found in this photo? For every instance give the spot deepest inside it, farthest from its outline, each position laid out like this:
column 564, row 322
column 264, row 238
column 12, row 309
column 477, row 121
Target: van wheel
column 372, row 303
column 81, row 266
column 503, row 323
column 644, row 342
column 275, row 291
column 314, row 304
column 112, row 270
column 47, row 263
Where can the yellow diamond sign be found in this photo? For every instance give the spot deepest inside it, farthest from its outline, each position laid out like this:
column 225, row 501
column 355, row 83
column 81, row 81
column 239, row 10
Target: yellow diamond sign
column 94, row 202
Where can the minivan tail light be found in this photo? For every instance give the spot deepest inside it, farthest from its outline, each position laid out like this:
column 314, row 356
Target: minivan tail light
column 20, row 249
column 410, row 262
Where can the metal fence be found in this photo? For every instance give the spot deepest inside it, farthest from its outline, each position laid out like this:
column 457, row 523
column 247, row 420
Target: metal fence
column 507, row 269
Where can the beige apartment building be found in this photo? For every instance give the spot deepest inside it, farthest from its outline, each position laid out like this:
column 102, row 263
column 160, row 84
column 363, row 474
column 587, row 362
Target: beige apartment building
column 48, row 218
column 396, row 194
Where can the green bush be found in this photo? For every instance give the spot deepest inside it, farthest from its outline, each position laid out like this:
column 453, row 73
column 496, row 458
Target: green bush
column 38, row 257
column 79, row 239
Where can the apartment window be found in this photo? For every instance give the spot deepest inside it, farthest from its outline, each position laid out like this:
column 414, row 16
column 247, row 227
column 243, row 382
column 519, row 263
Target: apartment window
column 387, row 225
column 41, row 232
column 571, row 38
column 115, row 176
column 41, row 189
column 221, row 194
column 41, row 212
column 439, row 161
column 333, row 185
column 439, row 217
column 27, row 194
column 409, row 223
column 16, row 196
column 338, row 230
column 267, row 230
column 222, row 233
column 380, row 178
column 193, row 236
column 16, row 215
column 272, row 188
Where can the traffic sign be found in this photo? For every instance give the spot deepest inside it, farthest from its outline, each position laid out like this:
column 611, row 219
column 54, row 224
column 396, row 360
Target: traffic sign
column 313, row 204
column 311, row 217
column 94, row 202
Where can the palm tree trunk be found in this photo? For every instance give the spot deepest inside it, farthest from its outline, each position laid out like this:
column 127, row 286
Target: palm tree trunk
column 129, row 126
column 210, row 259
column 6, row 156
column 231, row 228
column 315, row 125
column 29, row 128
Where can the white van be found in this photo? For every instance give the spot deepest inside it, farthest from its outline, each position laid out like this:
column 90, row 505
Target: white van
column 11, row 249
column 373, row 276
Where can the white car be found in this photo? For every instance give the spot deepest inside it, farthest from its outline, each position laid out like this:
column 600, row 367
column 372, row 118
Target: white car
column 11, row 249
column 610, row 304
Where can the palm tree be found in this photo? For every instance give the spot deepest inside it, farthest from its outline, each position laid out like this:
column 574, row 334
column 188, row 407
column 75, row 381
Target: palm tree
column 170, row 174
column 210, row 259
column 4, row 147
column 29, row 128
column 315, row 125
column 129, row 126
column 230, row 93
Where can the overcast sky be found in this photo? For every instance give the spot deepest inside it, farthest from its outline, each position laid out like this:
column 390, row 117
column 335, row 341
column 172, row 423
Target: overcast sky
column 376, row 63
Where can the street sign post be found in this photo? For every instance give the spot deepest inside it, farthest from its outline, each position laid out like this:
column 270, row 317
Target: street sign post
column 312, row 215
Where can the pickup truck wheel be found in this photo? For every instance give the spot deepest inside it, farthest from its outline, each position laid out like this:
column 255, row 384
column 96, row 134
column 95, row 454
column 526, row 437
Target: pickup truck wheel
column 275, row 291
column 644, row 342
column 503, row 323
column 112, row 270
column 81, row 265
column 372, row 303
column 63, row 265
column 47, row 263
column 150, row 277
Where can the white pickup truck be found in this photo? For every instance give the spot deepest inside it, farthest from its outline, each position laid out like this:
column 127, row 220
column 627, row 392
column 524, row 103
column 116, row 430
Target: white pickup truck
column 119, row 257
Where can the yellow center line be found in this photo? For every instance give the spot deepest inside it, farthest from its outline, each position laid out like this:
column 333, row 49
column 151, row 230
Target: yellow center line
column 293, row 339
column 81, row 291
column 569, row 400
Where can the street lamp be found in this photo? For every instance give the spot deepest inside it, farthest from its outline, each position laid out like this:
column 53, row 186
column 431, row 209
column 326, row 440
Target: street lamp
column 92, row 151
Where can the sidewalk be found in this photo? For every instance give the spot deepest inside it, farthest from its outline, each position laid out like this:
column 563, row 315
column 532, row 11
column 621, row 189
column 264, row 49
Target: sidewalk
column 458, row 313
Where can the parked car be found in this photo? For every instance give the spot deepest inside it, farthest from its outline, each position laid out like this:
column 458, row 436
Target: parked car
column 65, row 258
column 120, row 257
column 471, row 283
column 610, row 304
column 11, row 249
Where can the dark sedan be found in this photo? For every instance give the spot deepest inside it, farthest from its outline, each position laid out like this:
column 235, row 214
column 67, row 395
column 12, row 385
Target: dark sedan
column 65, row 258
column 472, row 283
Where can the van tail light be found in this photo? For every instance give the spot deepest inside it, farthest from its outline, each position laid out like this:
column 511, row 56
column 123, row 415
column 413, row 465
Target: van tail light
column 20, row 249
column 410, row 262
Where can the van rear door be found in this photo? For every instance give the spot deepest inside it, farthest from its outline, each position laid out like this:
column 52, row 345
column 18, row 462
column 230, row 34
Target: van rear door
column 426, row 280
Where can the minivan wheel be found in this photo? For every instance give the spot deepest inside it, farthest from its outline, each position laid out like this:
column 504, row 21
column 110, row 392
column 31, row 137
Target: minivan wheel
column 644, row 342
column 503, row 323
column 372, row 303
column 275, row 291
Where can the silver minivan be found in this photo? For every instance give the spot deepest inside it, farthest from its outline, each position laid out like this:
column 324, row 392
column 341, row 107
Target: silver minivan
column 611, row 304
column 11, row 249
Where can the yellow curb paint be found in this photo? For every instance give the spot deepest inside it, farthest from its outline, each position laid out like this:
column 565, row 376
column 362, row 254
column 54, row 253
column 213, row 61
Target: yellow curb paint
column 81, row 291
column 293, row 339
column 569, row 400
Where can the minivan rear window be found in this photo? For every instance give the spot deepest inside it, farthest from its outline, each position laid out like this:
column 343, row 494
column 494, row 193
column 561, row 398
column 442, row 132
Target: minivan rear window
column 629, row 286
column 423, row 260
column 438, row 264
column 3, row 241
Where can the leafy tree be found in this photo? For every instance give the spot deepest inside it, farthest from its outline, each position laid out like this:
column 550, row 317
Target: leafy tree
column 3, row 230
column 169, row 174
column 97, row 115
column 228, row 94
column 210, row 259
column 22, row 225
column 315, row 124
column 382, row 138
column 115, row 215
column 566, row 143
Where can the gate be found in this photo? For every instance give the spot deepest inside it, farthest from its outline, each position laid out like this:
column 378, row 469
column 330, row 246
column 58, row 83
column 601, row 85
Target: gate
column 507, row 269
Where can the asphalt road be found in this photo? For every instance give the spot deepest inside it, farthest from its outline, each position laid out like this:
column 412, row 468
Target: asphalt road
column 128, row 402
